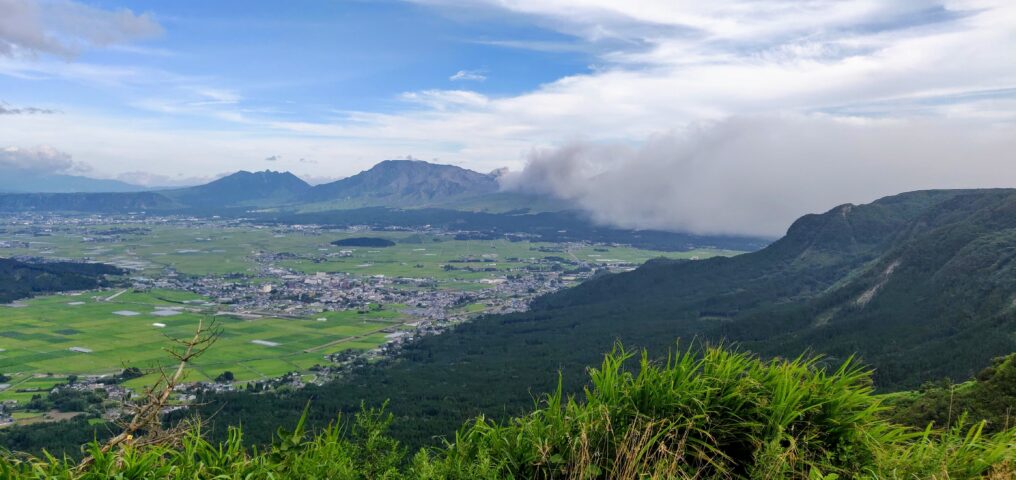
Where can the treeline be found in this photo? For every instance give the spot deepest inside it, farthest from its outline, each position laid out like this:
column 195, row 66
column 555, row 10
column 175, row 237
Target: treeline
column 364, row 242
column 21, row 279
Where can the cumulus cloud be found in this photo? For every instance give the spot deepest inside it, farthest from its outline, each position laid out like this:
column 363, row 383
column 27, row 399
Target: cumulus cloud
column 40, row 159
column 755, row 175
column 65, row 28
column 468, row 75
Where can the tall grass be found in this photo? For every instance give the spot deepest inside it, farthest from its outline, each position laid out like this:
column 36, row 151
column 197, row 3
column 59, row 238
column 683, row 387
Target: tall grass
column 708, row 414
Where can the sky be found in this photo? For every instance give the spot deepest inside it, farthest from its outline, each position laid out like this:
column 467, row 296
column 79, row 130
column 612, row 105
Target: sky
column 728, row 116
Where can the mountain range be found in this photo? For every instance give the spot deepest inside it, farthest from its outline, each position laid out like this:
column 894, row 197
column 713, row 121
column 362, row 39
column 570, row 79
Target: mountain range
column 391, row 183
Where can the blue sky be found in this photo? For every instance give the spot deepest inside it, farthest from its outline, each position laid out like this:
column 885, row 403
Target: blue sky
column 312, row 60
column 575, row 96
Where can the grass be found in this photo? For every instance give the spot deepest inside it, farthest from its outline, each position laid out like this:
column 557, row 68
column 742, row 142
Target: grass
column 711, row 414
column 37, row 338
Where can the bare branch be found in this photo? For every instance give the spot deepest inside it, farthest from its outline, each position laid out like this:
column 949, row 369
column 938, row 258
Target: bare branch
column 145, row 425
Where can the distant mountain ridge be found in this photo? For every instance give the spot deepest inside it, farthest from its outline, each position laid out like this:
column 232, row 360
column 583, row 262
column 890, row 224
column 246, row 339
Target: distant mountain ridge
column 31, row 182
column 390, row 183
column 397, row 183
column 243, row 188
column 86, row 202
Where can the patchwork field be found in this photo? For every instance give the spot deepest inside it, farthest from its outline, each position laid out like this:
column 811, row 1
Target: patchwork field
column 449, row 260
column 221, row 250
column 103, row 332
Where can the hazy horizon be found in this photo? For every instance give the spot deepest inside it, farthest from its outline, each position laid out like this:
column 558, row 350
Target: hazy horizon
column 761, row 111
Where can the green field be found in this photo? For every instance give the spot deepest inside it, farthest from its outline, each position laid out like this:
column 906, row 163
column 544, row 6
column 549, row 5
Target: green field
column 194, row 251
column 37, row 338
column 219, row 250
column 429, row 258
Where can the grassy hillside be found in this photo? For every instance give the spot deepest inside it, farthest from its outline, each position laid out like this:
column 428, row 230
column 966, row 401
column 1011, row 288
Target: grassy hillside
column 714, row 415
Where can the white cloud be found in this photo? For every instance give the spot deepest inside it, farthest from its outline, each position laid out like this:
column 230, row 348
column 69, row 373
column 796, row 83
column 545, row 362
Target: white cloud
column 755, row 175
column 468, row 75
column 65, row 28
column 39, row 159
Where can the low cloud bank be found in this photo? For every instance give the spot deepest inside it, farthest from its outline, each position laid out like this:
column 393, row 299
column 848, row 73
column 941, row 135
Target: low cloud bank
column 756, row 175
column 39, row 160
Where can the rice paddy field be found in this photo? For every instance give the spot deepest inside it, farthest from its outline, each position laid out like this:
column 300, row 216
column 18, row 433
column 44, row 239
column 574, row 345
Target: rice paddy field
column 44, row 339
column 222, row 250
column 102, row 332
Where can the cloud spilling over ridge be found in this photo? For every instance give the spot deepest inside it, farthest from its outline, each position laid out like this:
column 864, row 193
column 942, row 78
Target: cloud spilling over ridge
column 64, row 28
column 39, row 160
column 756, row 175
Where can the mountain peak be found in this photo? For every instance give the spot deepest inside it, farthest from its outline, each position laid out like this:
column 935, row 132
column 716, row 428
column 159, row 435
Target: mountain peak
column 406, row 182
column 243, row 188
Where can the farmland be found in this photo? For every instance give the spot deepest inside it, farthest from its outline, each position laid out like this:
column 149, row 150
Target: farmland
column 86, row 334
column 295, row 304
column 216, row 249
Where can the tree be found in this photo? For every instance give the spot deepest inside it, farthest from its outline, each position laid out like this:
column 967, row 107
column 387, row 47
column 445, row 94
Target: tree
column 225, row 377
column 131, row 372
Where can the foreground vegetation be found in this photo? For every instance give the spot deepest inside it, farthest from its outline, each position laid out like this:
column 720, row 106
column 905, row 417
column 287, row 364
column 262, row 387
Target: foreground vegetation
column 709, row 414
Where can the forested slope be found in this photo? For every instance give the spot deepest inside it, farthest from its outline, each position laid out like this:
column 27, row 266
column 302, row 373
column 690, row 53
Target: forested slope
column 826, row 287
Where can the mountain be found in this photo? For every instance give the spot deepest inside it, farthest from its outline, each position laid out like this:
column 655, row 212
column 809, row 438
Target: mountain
column 391, row 184
column 405, row 183
column 29, row 182
column 243, row 188
column 920, row 285
column 904, row 282
column 85, row 202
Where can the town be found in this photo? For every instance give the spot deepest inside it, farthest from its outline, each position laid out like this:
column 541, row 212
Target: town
column 429, row 280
